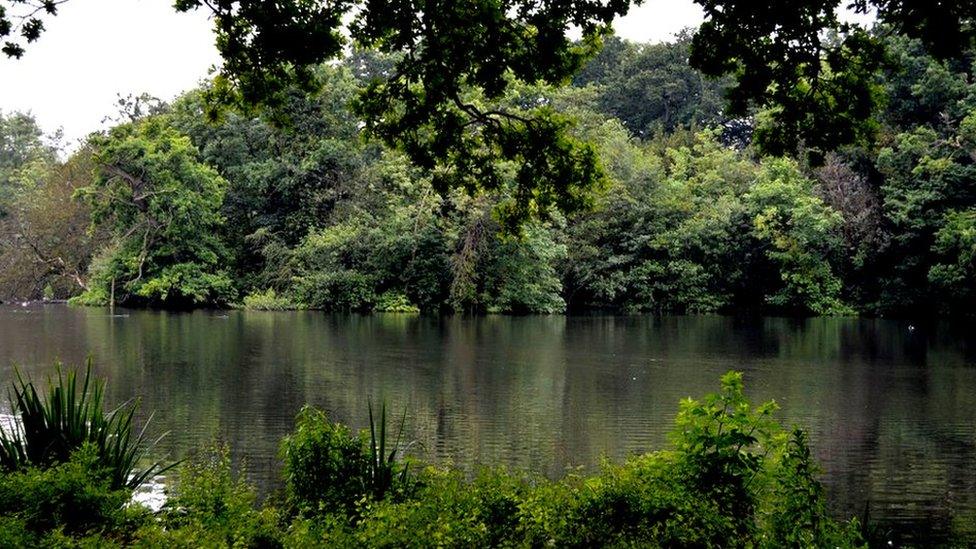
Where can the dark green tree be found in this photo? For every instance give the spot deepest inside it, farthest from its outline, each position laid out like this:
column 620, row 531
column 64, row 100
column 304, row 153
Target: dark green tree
column 811, row 74
column 929, row 183
column 439, row 103
column 652, row 88
column 283, row 181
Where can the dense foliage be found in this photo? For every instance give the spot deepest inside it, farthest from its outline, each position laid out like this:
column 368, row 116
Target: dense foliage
column 162, row 207
column 442, row 98
column 732, row 477
column 692, row 217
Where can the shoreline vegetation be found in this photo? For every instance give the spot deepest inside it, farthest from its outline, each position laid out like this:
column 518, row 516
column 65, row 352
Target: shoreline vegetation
column 293, row 206
column 732, row 476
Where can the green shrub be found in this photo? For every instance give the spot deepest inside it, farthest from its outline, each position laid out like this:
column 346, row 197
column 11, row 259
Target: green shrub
column 445, row 513
column 760, row 482
column 75, row 497
column 641, row 502
column 14, row 532
column 268, row 300
column 328, row 469
column 213, row 507
column 546, row 513
column 52, row 428
column 446, row 510
column 95, row 297
column 326, row 531
column 344, row 290
column 721, row 445
column 498, row 496
column 394, row 302
column 323, row 464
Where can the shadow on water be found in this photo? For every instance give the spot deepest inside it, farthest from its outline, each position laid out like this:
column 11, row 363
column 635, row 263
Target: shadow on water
column 889, row 408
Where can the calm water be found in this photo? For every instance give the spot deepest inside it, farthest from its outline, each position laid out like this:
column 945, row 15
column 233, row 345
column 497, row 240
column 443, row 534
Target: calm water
column 891, row 411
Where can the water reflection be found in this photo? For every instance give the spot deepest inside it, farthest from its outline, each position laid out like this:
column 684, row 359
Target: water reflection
column 889, row 409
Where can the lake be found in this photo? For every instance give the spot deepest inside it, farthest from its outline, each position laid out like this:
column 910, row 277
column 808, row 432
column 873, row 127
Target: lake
column 889, row 406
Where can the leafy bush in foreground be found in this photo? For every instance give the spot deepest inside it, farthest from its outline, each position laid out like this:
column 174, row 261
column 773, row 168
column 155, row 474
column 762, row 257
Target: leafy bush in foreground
column 732, row 478
column 212, row 507
column 329, row 470
column 63, row 504
column 323, row 464
column 798, row 501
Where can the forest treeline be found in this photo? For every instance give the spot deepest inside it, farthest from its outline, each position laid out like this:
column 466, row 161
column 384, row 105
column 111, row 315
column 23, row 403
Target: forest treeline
column 181, row 205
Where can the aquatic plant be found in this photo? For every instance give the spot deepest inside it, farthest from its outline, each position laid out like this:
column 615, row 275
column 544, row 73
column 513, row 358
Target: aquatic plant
column 384, row 470
column 48, row 429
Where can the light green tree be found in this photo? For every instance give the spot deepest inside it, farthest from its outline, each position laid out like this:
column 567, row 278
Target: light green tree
column 162, row 207
column 798, row 230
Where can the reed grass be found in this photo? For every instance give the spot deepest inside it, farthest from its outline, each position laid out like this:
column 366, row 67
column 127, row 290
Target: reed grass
column 384, row 470
column 56, row 423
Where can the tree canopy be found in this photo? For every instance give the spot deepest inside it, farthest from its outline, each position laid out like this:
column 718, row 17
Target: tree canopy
column 162, row 208
column 444, row 99
column 288, row 206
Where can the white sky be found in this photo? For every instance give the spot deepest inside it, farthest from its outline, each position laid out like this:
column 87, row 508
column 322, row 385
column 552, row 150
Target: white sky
column 96, row 49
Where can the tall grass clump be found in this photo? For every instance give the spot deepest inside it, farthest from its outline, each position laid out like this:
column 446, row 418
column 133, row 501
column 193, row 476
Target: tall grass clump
column 51, row 426
column 384, row 470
